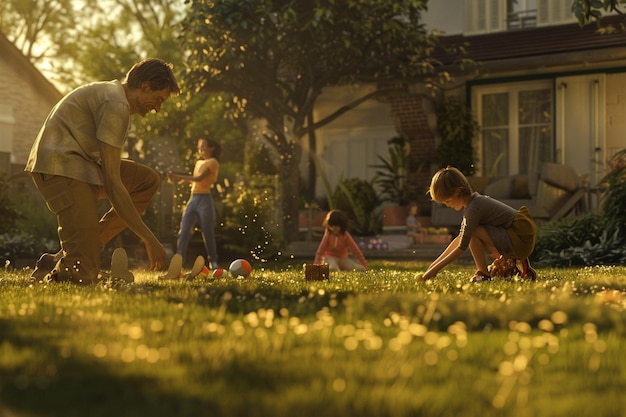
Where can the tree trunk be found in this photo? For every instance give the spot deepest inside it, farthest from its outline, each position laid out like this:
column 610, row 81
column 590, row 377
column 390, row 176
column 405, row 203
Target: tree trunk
column 290, row 180
column 289, row 151
column 311, row 171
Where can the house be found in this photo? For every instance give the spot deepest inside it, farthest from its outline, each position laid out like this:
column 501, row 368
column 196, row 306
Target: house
column 26, row 99
column 549, row 91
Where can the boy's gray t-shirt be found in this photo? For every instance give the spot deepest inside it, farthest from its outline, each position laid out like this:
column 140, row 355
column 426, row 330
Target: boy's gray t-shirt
column 483, row 210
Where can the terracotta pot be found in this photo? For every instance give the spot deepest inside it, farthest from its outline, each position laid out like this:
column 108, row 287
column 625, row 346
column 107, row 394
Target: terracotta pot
column 316, row 220
column 394, row 215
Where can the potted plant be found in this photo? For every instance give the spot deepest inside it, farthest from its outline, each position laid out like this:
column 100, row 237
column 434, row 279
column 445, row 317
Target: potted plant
column 391, row 182
column 358, row 199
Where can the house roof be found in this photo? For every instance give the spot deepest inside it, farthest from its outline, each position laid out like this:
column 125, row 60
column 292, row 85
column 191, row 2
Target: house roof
column 16, row 59
column 542, row 44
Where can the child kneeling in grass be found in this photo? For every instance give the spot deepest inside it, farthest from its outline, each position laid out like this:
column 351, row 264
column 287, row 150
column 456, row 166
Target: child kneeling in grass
column 335, row 244
column 488, row 225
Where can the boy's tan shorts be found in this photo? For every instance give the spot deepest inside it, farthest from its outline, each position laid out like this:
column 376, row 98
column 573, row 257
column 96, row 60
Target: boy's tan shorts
column 522, row 233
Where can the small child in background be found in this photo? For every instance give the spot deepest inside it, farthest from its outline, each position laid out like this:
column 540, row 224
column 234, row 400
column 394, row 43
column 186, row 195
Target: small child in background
column 335, row 244
column 488, row 225
column 413, row 227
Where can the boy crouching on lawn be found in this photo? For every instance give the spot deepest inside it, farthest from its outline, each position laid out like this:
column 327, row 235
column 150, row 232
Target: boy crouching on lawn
column 487, row 225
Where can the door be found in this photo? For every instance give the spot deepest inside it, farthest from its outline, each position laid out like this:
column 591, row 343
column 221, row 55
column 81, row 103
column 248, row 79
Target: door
column 350, row 153
column 580, row 129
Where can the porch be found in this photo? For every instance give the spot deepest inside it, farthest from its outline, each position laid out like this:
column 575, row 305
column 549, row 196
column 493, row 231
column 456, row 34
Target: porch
column 426, row 252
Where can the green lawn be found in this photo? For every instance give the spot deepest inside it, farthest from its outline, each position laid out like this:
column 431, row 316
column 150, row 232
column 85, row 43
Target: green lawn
column 361, row 344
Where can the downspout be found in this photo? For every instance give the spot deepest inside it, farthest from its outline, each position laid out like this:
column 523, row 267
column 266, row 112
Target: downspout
column 597, row 161
column 562, row 88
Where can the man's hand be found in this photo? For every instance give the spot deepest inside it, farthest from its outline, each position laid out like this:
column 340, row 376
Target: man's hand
column 157, row 256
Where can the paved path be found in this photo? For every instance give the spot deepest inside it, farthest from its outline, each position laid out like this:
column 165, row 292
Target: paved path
column 306, row 250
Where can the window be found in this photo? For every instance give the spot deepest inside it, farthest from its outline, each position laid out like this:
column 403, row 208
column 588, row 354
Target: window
column 487, row 16
column 516, row 127
column 521, row 14
column 554, row 12
column 483, row 16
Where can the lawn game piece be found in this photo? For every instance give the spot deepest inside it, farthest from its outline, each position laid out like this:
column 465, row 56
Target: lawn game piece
column 119, row 266
column 175, row 268
column 240, row 268
column 219, row 273
column 316, row 272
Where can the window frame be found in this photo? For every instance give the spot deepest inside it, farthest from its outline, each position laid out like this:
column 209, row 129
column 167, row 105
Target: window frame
column 488, row 16
column 512, row 89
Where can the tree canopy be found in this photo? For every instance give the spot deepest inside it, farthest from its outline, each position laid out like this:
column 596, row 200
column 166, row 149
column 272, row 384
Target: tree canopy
column 587, row 11
column 275, row 57
column 263, row 59
column 73, row 42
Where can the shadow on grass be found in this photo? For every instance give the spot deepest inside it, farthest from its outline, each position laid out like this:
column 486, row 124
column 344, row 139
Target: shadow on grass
column 73, row 386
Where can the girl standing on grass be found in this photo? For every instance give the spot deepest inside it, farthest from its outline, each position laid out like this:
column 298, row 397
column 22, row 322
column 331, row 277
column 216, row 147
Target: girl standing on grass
column 335, row 244
column 200, row 209
column 487, row 225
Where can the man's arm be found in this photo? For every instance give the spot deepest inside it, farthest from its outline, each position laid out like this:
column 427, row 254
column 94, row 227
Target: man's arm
column 123, row 204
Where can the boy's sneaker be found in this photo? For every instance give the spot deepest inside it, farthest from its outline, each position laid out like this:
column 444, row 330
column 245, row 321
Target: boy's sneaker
column 44, row 266
column 480, row 277
column 525, row 270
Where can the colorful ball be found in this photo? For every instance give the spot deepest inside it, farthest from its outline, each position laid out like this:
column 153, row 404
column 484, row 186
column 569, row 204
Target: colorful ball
column 219, row 273
column 240, row 268
column 204, row 273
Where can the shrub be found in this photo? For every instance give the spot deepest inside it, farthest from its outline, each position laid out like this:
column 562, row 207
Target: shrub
column 21, row 245
column 359, row 200
column 8, row 213
column 247, row 227
column 592, row 239
column 579, row 241
column 457, row 128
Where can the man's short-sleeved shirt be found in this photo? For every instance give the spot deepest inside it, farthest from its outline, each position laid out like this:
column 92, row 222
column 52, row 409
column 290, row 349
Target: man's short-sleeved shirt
column 67, row 143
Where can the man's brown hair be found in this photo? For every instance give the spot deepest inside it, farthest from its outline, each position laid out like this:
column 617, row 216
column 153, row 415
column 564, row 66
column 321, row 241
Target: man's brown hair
column 156, row 71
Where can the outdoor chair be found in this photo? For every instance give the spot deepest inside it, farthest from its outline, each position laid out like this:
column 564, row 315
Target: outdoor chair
column 559, row 192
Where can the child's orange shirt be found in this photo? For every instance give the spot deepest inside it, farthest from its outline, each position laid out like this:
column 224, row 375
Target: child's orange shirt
column 204, row 185
column 337, row 246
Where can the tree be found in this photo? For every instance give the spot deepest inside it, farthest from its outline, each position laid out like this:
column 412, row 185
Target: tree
column 275, row 57
column 73, row 42
column 41, row 29
column 587, row 11
column 125, row 31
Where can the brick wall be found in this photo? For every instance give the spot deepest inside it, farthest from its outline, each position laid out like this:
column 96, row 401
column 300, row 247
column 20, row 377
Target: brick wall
column 28, row 106
column 412, row 119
